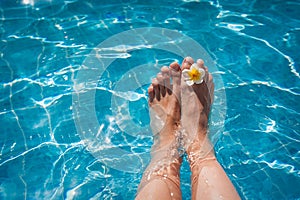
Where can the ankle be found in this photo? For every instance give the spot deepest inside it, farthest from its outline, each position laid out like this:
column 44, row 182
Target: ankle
column 166, row 147
column 200, row 148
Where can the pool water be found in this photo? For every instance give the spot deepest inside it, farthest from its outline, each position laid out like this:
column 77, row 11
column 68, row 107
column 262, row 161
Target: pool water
column 57, row 144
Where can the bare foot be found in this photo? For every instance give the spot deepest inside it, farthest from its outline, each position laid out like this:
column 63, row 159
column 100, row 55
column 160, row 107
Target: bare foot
column 209, row 180
column 164, row 103
column 196, row 102
column 161, row 178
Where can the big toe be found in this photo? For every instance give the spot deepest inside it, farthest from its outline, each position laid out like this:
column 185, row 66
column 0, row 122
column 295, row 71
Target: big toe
column 175, row 73
column 187, row 63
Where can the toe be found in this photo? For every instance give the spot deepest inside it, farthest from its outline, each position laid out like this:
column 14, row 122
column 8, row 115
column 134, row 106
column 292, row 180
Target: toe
column 187, row 63
column 151, row 93
column 161, row 84
column 155, row 85
column 210, row 78
column 211, row 87
column 211, row 92
column 207, row 75
column 166, row 76
column 200, row 64
column 175, row 72
column 176, row 78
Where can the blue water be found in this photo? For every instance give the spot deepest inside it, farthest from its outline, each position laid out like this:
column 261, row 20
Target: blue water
column 46, row 47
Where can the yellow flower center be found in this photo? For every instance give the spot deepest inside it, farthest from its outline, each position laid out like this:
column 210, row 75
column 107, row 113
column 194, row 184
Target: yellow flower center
column 194, row 74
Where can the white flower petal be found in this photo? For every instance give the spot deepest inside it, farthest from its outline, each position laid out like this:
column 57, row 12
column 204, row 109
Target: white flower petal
column 202, row 71
column 194, row 66
column 185, row 73
column 189, row 82
column 187, row 78
column 199, row 81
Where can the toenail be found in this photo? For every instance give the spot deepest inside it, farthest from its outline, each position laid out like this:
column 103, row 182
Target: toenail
column 154, row 81
column 175, row 66
column 188, row 60
column 164, row 69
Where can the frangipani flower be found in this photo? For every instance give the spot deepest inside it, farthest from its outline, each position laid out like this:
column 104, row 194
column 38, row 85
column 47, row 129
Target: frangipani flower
column 193, row 75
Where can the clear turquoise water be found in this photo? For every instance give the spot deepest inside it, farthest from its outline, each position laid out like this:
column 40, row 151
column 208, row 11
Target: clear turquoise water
column 43, row 154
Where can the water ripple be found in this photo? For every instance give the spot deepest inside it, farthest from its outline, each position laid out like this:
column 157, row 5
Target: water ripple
column 43, row 45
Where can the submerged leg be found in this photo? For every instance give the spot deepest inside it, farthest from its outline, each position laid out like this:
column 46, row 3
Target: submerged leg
column 209, row 180
column 161, row 178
